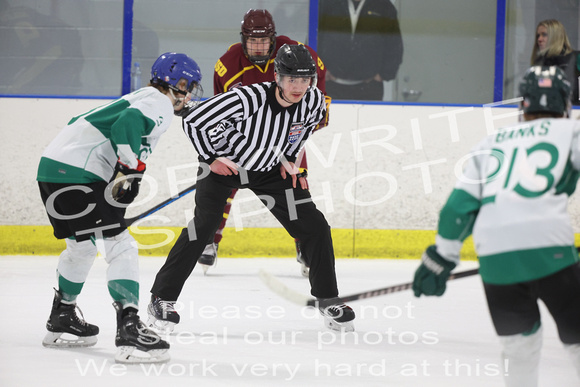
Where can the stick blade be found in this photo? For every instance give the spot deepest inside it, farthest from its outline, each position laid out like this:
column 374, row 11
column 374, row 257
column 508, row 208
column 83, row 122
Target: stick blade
column 278, row 287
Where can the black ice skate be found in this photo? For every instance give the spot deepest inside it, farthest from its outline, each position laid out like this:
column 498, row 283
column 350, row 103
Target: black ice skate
column 64, row 320
column 304, row 265
column 162, row 315
column 209, row 257
column 337, row 315
column 136, row 343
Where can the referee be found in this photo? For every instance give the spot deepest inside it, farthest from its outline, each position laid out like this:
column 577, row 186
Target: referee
column 249, row 137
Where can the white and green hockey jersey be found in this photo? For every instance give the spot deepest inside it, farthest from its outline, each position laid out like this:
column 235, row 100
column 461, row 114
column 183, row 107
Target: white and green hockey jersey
column 513, row 196
column 88, row 148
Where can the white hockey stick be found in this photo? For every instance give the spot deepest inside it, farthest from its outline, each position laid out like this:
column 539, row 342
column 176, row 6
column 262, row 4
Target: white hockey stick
column 282, row 290
column 292, row 295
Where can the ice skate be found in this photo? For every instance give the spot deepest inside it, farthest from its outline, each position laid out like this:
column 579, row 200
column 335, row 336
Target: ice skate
column 208, row 257
column 301, row 259
column 66, row 328
column 162, row 315
column 337, row 315
column 135, row 343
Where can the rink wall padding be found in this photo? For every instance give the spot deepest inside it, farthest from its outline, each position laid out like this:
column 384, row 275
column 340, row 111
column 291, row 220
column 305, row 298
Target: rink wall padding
column 380, row 174
column 247, row 243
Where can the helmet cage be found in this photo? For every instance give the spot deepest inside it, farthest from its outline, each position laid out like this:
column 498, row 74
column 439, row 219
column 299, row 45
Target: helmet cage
column 193, row 97
column 258, row 23
column 258, row 59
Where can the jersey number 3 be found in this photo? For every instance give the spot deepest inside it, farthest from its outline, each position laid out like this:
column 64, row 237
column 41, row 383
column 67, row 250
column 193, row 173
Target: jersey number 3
column 545, row 172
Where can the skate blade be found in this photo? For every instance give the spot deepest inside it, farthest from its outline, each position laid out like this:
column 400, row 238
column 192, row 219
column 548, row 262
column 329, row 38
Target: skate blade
column 67, row 340
column 131, row 355
column 205, row 268
column 331, row 324
column 159, row 326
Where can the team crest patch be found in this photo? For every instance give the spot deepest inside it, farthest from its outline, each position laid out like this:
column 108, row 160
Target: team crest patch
column 295, row 132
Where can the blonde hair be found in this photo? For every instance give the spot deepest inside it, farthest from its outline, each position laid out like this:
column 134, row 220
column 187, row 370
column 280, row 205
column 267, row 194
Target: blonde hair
column 558, row 42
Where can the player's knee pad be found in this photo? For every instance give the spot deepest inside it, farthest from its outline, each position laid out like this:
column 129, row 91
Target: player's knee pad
column 574, row 351
column 521, row 355
column 76, row 260
column 122, row 255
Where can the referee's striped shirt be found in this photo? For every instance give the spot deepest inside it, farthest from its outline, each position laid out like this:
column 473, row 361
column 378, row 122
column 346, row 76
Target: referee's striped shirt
column 248, row 126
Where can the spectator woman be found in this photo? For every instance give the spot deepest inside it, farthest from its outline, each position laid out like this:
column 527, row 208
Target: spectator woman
column 552, row 48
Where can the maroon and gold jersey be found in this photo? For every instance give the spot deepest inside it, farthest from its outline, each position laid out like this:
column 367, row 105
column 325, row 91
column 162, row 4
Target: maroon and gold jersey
column 234, row 69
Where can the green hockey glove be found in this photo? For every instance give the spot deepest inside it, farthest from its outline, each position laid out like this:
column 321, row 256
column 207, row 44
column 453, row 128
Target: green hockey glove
column 431, row 277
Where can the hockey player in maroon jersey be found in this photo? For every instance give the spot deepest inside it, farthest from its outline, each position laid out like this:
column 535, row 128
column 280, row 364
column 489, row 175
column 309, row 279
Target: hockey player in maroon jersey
column 252, row 61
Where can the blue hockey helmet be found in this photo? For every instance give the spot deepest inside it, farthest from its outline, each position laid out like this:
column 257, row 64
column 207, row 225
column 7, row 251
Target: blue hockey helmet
column 170, row 68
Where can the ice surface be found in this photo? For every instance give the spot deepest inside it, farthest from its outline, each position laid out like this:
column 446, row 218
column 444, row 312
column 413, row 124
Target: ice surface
column 235, row 331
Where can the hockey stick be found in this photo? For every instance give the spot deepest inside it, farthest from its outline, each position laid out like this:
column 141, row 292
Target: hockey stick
column 282, row 290
column 159, row 206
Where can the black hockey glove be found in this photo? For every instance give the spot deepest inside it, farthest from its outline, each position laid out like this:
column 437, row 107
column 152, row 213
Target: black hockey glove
column 186, row 110
column 127, row 182
column 431, row 277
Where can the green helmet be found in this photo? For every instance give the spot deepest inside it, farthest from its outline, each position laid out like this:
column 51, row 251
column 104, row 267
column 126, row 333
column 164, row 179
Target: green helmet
column 545, row 90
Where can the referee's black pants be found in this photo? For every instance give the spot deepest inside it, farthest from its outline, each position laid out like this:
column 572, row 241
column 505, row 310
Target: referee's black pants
column 292, row 207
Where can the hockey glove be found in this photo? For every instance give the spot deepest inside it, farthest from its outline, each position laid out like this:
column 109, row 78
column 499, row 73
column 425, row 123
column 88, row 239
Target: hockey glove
column 186, row 110
column 127, row 182
column 431, row 277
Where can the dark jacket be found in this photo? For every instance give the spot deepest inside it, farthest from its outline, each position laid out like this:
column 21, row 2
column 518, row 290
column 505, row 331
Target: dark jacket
column 375, row 48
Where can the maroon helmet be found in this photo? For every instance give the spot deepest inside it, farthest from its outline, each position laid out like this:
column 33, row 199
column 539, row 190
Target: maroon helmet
column 258, row 23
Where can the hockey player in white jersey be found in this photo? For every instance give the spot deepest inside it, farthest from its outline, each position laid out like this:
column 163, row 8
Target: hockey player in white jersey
column 513, row 197
column 87, row 177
